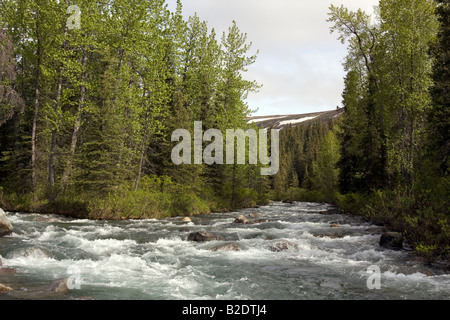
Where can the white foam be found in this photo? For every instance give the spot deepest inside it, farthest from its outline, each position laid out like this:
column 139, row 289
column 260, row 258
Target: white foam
column 103, row 247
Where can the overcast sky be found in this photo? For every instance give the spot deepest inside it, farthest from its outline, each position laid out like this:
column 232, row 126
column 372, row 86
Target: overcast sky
column 299, row 62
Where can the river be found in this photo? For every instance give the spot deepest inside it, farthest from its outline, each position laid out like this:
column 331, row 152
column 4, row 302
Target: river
column 303, row 251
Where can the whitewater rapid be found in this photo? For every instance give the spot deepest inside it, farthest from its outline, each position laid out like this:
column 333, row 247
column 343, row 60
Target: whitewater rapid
column 324, row 256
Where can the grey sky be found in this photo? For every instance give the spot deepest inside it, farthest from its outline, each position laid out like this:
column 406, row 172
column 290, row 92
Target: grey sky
column 299, row 62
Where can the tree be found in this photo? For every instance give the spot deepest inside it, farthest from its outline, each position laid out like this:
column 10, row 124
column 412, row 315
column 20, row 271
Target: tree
column 231, row 107
column 439, row 114
column 10, row 100
column 324, row 171
column 364, row 138
column 409, row 28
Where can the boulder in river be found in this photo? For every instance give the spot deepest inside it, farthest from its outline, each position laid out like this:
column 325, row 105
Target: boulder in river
column 186, row 219
column 5, row 225
column 4, row 288
column 243, row 220
column 391, row 240
column 254, row 215
column 203, row 236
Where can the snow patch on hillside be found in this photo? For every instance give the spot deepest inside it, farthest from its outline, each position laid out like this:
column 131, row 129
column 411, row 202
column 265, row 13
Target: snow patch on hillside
column 295, row 121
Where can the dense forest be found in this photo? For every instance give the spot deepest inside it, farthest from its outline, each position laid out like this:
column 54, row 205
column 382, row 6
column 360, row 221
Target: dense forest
column 86, row 116
column 87, row 113
column 388, row 156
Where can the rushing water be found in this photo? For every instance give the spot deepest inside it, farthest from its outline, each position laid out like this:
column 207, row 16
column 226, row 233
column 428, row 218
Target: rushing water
column 152, row 259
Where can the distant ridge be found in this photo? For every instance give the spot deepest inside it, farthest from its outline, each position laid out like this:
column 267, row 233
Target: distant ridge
column 281, row 122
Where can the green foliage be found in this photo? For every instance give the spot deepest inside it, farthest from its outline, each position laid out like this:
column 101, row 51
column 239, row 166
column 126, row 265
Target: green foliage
column 100, row 104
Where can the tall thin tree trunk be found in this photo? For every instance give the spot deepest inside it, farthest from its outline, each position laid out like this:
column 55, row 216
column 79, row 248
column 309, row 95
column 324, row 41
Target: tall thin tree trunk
column 36, row 111
column 76, row 127
column 51, row 161
column 141, row 161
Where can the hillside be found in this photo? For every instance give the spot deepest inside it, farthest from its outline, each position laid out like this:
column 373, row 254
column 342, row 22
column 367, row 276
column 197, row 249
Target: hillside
column 281, row 122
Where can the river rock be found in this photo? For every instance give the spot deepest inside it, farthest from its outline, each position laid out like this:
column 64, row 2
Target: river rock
column 4, row 288
column 282, row 246
column 334, row 225
column 203, row 236
column 243, row 220
column 53, row 290
column 254, row 215
column 5, row 225
column 259, row 236
column 47, row 218
column 226, row 247
column 186, row 219
column 58, row 286
column 33, row 252
column 333, row 210
column 391, row 240
column 261, row 221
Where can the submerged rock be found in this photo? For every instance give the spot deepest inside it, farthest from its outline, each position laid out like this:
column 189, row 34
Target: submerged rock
column 32, row 252
column 7, row 271
column 54, row 290
column 58, row 286
column 226, row 247
column 391, row 240
column 5, row 225
column 47, row 218
column 282, row 246
column 261, row 221
column 259, row 236
column 245, row 220
column 203, row 236
column 333, row 210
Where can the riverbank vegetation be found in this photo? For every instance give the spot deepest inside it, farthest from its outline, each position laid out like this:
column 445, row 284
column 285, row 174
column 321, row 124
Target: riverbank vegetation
column 86, row 116
column 393, row 160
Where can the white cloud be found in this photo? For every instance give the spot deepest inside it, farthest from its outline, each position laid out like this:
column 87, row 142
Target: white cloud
column 299, row 64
